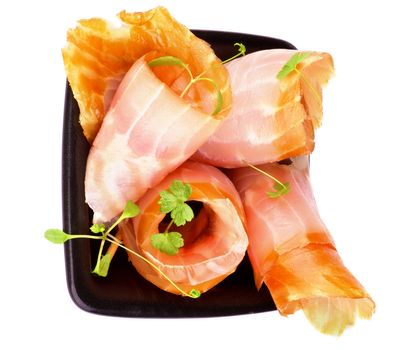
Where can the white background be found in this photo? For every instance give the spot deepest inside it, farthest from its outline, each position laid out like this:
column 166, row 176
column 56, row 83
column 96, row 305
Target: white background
column 353, row 172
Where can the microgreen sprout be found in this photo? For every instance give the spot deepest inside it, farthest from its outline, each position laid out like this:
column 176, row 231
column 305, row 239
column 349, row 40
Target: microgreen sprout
column 291, row 66
column 175, row 61
column 100, row 233
column 280, row 188
column 241, row 52
column 101, row 268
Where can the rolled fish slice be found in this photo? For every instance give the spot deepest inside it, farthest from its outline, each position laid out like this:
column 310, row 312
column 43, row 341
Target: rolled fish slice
column 148, row 131
column 215, row 240
column 271, row 119
column 139, row 126
column 98, row 54
column 293, row 253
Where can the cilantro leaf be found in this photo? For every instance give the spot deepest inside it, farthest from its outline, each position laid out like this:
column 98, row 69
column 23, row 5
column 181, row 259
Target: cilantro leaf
column 292, row 63
column 168, row 242
column 280, row 190
column 180, row 190
column 168, row 201
column 173, row 201
column 181, row 214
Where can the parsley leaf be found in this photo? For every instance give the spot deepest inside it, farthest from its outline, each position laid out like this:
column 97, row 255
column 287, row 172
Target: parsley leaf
column 181, row 214
column 168, row 201
column 280, row 190
column 291, row 65
column 180, row 190
column 168, row 242
column 173, row 201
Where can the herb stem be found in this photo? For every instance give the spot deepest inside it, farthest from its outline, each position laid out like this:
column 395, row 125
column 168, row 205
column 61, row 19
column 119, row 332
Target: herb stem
column 116, row 238
column 168, row 226
column 84, row 236
column 100, row 252
column 187, row 87
column 104, row 237
column 231, row 58
column 117, row 222
column 266, row 174
column 189, row 71
column 190, row 295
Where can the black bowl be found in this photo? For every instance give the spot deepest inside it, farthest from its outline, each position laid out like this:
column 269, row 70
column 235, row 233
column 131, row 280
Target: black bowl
column 124, row 292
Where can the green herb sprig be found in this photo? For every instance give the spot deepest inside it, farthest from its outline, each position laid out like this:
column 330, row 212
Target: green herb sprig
column 280, row 188
column 173, row 201
column 241, row 52
column 175, row 61
column 291, row 66
column 100, row 233
column 101, row 268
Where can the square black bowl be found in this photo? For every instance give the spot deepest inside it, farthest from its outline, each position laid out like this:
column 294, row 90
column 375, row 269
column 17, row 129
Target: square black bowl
column 124, row 292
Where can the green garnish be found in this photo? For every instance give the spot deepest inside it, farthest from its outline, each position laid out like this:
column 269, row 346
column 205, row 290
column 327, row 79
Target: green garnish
column 97, row 228
column 173, row 201
column 175, row 61
column 280, row 190
column 194, row 293
column 101, row 269
column 131, row 210
column 57, row 236
column 241, row 52
column 279, row 187
column 168, row 242
column 167, row 61
column 291, row 66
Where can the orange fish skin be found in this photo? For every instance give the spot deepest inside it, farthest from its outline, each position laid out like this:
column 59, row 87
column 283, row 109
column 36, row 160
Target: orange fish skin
column 98, row 54
column 293, row 253
column 270, row 119
column 215, row 241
